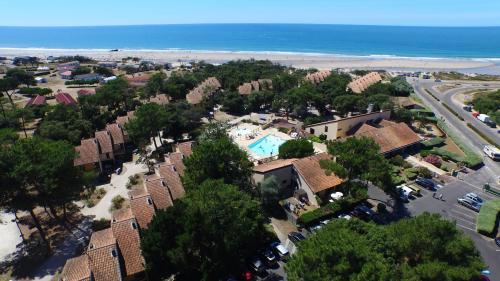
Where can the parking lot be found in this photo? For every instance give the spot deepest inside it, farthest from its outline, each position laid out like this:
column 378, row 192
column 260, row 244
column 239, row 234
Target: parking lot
column 464, row 217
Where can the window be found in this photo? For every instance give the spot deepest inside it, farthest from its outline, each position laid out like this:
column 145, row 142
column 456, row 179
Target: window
column 150, row 202
column 107, row 155
column 326, row 129
column 134, row 225
column 311, row 130
column 113, row 253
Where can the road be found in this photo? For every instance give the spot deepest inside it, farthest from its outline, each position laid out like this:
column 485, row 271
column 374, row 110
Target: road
column 491, row 168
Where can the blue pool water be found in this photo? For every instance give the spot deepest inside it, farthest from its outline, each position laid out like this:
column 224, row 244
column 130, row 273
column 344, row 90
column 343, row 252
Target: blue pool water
column 267, row 146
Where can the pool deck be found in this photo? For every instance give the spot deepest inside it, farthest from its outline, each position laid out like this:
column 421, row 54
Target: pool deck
column 243, row 142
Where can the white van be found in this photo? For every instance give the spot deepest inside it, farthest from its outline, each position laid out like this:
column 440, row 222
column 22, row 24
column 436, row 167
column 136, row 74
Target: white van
column 492, row 152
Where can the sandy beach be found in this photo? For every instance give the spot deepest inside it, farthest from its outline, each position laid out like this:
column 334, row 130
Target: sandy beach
column 298, row 60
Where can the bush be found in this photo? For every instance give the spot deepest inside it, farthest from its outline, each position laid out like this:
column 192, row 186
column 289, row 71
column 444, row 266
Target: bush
column 330, row 209
column 100, row 224
column 424, row 172
column 296, row 149
column 100, row 193
column 315, row 138
column 433, row 159
column 284, row 130
column 81, row 82
column 35, row 91
column 433, row 142
column 425, row 153
column 487, row 218
column 410, row 173
column 117, row 202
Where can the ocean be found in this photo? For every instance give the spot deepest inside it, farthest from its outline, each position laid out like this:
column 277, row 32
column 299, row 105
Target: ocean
column 349, row 40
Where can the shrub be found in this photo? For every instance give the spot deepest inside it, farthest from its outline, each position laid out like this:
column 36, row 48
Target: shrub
column 487, row 218
column 410, row 173
column 284, row 130
column 296, row 149
column 398, row 161
column 100, row 224
column 424, row 172
column 425, row 152
column 433, row 159
column 433, row 142
column 117, row 202
column 329, row 210
column 100, row 193
column 315, row 138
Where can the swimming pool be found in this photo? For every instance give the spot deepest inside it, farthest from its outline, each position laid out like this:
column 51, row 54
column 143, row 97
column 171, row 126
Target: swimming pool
column 267, row 146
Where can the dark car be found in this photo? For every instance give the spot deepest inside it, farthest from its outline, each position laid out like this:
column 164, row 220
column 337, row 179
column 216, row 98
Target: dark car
column 427, row 183
column 363, row 212
column 257, row 265
column 269, row 257
column 497, row 241
column 296, row 237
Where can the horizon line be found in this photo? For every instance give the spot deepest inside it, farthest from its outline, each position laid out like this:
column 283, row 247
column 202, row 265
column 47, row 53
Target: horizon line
column 242, row 23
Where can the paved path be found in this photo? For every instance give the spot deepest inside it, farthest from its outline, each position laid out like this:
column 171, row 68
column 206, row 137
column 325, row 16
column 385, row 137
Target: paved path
column 117, row 186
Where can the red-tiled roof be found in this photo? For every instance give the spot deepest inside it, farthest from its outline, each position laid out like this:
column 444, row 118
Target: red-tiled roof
column 362, row 83
column 172, row 180
column 76, row 269
column 161, row 99
column 104, row 140
column 105, row 263
column 65, row 98
column 127, row 237
column 86, row 92
column 205, row 88
column 390, row 137
column 177, row 159
column 315, row 176
column 142, row 207
column 159, row 192
column 87, row 152
column 186, row 148
column 36, row 100
column 122, row 215
column 116, row 133
column 273, row 165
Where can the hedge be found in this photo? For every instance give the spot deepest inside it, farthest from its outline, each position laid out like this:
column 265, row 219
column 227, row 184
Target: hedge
column 432, row 95
column 433, row 142
column 452, row 111
column 487, row 218
column 485, row 137
column 328, row 210
column 447, row 154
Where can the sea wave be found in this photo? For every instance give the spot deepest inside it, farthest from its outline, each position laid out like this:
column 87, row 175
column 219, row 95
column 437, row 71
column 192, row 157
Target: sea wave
column 48, row 51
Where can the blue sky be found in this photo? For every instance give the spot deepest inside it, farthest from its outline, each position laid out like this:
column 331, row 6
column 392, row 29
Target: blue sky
column 371, row 12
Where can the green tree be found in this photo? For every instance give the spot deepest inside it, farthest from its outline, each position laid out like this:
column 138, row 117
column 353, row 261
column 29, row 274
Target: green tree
column 260, row 101
column 422, row 248
column 155, row 85
column 233, row 103
column 218, row 157
column 116, row 95
column 335, row 85
column 401, row 86
column 81, row 70
column 182, row 118
column 8, row 136
column 269, row 191
column 104, row 71
column 8, row 86
column 346, row 103
column 37, row 172
column 65, row 123
column 149, row 120
column 359, row 158
column 296, row 149
column 202, row 237
column 21, row 77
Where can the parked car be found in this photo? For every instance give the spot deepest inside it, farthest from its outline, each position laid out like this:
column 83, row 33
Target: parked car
column 497, row 241
column 492, row 152
column 269, row 257
column 402, row 194
column 467, row 108
column 474, row 197
column 315, row 228
column 296, row 237
column 118, row 171
column 257, row 265
column 344, row 216
column 469, row 204
column 280, row 250
column 363, row 212
column 426, row 183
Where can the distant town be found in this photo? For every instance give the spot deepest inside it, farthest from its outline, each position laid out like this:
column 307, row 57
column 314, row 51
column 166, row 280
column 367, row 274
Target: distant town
column 246, row 170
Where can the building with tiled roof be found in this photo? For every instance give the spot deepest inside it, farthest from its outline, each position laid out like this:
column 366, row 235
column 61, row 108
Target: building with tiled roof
column 177, row 159
column 313, row 179
column 87, row 154
column 318, row 77
column 255, row 86
column 77, row 269
column 68, row 66
column 65, row 98
column 281, row 169
column 362, row 83
column 171, row 179
column 105, row 145
column 159, row 191
column 161, row 99
column 137, row 80
column 205, row 89
column 141, row 205
column 186, row 148
column 103, row 256
column 36, row 101
column 85, row 92
column 391, row 137
column 117, row 136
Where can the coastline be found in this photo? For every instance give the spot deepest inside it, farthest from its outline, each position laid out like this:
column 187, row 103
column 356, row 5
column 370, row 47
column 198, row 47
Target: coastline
column 298, row 60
